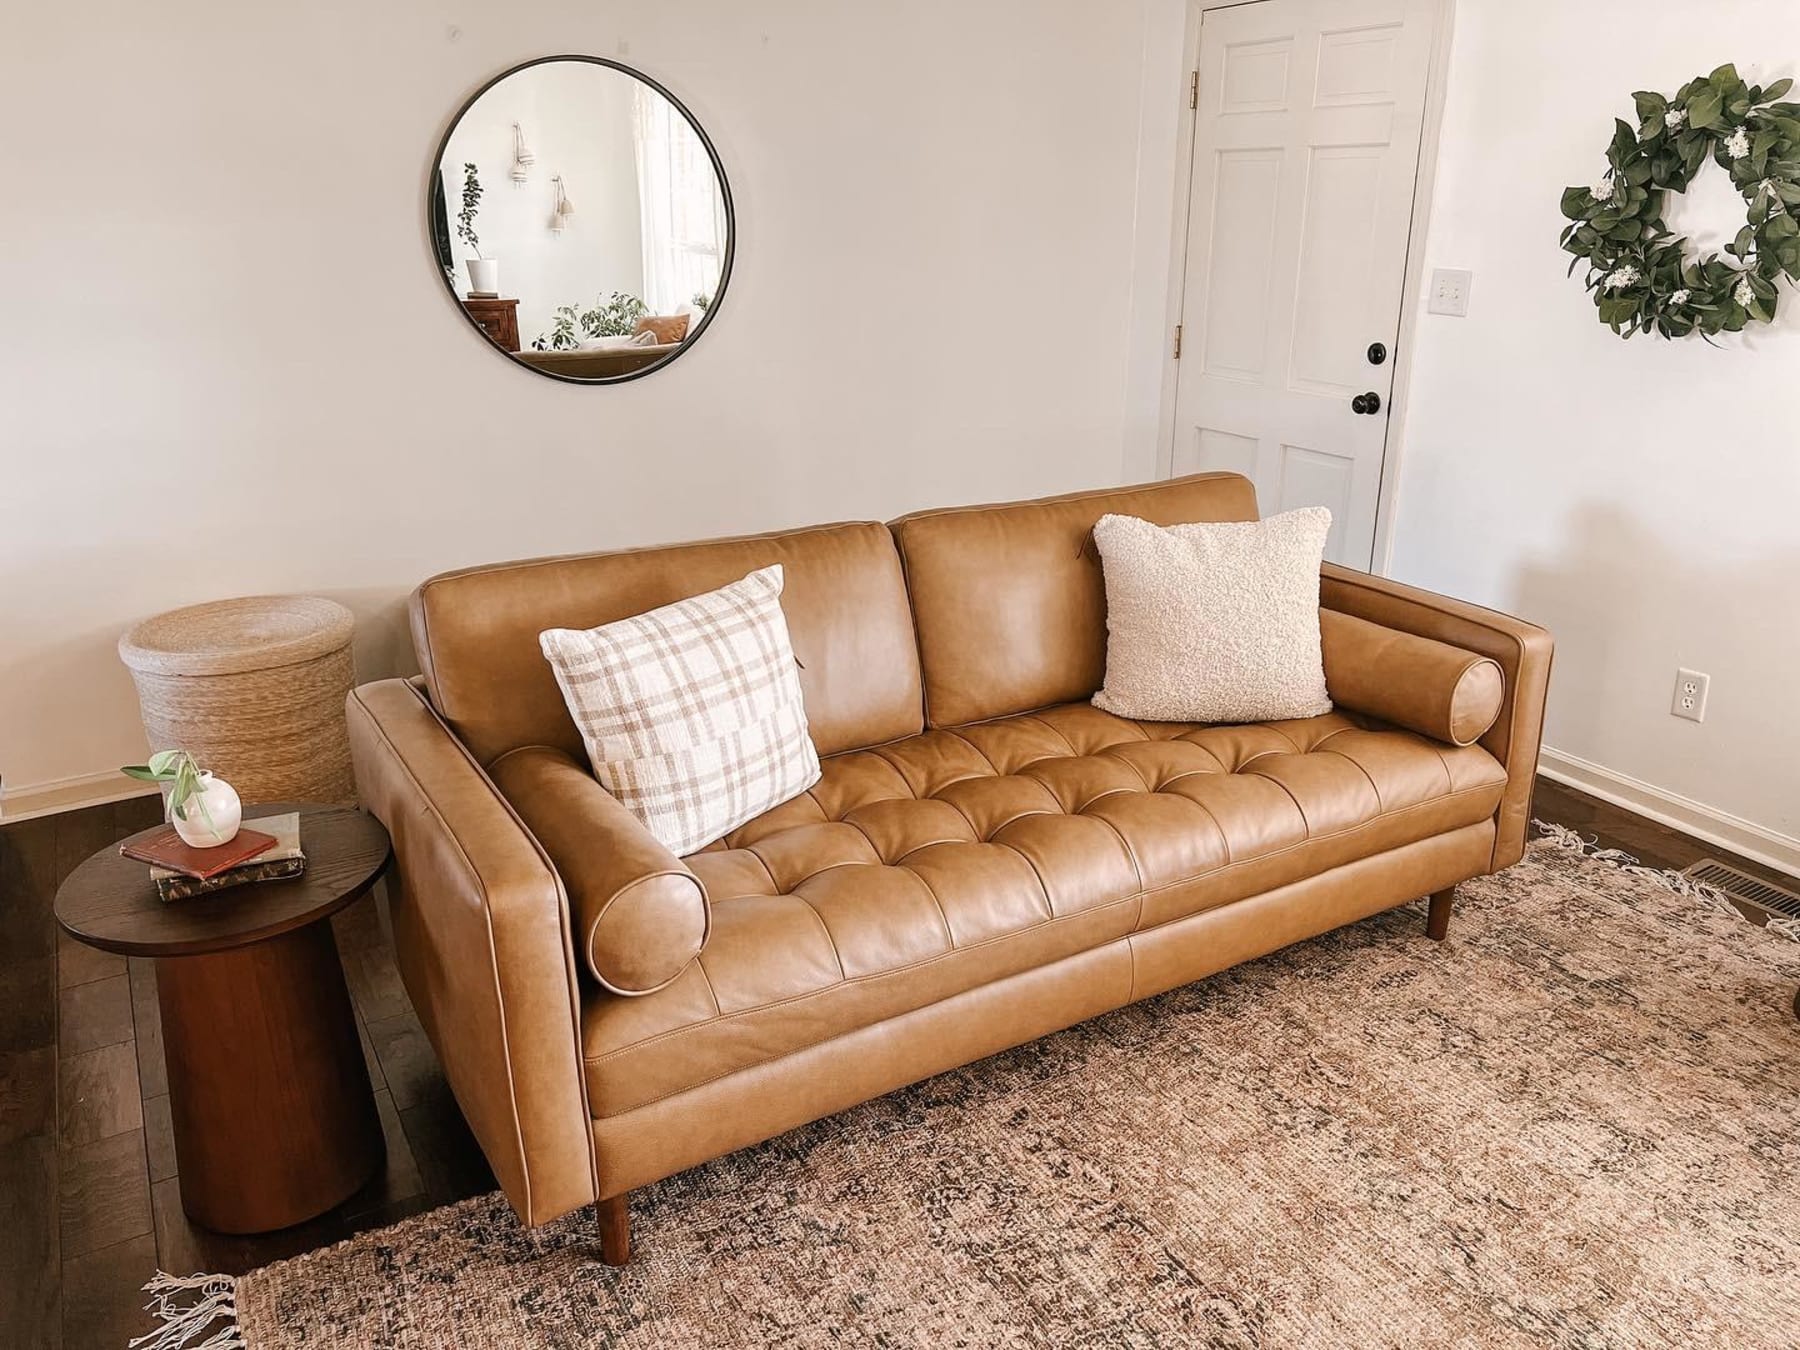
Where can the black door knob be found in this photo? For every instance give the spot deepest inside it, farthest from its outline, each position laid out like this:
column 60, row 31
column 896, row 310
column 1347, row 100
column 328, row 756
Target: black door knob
column 1377, row 353
column 1366, row 403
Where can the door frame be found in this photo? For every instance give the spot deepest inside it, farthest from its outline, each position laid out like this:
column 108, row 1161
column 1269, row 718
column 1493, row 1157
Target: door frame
column 1412, row 286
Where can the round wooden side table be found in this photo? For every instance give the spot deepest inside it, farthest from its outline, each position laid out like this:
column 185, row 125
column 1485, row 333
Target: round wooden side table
column 274, row 1119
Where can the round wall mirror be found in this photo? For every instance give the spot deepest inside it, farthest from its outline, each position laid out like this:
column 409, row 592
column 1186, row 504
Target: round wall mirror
column 581, row 219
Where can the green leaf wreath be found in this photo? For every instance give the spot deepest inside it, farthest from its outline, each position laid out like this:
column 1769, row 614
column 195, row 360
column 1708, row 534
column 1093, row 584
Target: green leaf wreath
column 1641, row 276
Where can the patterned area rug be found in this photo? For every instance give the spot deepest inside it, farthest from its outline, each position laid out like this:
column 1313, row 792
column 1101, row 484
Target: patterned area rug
column 1576, row 1124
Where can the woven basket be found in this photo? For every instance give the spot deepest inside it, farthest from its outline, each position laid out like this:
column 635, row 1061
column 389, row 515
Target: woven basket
column 255, row 689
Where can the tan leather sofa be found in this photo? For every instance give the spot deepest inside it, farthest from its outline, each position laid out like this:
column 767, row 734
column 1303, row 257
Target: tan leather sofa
column 987, row 857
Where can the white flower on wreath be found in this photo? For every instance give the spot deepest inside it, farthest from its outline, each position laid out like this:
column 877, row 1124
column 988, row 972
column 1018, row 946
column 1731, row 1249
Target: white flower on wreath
column 1743, row 294
column 1674, row 117
column 1602, row 190
column 1737, row 145
column 1621, row 277
column 1679, row 297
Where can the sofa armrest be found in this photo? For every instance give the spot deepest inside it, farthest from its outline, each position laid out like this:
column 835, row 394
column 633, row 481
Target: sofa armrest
column 1521, row 650
column 481, row 931
column 1427, row 686
column 641, row 915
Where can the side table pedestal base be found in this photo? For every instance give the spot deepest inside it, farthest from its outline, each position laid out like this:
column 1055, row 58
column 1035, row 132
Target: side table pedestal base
column 268, row 1090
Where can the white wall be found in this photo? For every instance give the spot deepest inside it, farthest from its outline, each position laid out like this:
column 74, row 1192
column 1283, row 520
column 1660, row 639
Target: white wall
column 937, row 205
column 1642, row 498
column 212, row 384
column 577, row 121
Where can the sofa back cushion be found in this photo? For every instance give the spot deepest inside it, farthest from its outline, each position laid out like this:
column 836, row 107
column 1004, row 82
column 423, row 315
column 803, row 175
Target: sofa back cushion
column 1008, row 599
column 476, row 631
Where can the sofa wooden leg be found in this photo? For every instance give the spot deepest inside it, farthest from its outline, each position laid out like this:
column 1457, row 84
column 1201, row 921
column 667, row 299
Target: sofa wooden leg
column 1437, row 922
column 615, row 1230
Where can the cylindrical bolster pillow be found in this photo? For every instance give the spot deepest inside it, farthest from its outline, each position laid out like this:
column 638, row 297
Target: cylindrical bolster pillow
column 1426, row 686
column 641, row 917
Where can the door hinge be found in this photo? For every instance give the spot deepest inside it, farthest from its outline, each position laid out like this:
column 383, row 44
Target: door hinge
column 1194, row 89
column 1178, row 342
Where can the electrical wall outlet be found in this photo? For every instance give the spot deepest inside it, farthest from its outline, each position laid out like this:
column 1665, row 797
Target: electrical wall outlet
column 1450, row 292
column 1690, row 695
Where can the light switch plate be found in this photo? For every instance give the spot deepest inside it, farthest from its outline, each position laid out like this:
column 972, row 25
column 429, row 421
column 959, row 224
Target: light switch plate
column 1450, row 291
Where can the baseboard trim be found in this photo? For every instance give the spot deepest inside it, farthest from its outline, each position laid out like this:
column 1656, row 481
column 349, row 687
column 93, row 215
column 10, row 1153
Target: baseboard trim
column 1740, row 836
column 70, row 794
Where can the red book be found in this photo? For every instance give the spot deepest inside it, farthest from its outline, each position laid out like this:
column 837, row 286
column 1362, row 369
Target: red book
column 165, row 849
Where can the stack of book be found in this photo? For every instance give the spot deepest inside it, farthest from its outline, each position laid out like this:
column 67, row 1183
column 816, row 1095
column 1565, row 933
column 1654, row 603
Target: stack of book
column 267, row 853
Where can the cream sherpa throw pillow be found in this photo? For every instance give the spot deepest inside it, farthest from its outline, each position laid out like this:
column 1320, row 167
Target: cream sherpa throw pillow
column 1214, row 623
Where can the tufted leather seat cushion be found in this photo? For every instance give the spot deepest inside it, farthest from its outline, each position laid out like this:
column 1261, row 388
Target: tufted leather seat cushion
column 919, row 869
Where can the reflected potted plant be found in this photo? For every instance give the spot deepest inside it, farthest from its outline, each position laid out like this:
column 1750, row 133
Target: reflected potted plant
column 204, row 810
column 609, row 322
column 484, row 272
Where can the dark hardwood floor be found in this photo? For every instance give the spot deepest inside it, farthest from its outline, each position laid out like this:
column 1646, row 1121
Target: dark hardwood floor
column 1652, row 843
column 90, row 1204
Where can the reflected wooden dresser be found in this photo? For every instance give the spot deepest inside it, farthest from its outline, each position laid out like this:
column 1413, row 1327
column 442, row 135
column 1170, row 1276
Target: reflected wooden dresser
column 498, row 318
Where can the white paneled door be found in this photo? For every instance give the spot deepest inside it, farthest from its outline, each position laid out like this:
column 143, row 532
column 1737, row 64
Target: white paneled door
column 1306, row 145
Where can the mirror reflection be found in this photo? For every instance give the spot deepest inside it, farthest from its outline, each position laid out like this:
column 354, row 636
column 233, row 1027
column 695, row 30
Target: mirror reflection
column 581, row 219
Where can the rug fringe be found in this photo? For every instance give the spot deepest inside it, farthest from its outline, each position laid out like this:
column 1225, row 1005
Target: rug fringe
column 1567, row 840
column 213, row 1297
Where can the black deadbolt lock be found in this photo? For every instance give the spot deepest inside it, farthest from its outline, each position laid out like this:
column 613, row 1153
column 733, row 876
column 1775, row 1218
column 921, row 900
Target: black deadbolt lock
column 1377, row 353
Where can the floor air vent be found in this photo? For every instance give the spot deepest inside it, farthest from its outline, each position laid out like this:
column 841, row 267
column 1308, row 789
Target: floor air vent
column 1746, row 888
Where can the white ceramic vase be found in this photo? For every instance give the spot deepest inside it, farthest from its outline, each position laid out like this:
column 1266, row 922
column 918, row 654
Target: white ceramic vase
column 211, row 816
column 484, row 276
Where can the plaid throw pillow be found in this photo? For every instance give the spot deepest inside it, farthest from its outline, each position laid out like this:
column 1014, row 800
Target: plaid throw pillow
column 691, row 713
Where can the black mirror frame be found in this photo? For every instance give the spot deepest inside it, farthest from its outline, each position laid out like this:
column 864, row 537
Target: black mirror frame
column 434, row 188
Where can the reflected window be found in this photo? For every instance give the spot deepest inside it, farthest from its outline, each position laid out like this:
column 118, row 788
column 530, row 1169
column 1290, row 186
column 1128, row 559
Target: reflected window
column 684, row 211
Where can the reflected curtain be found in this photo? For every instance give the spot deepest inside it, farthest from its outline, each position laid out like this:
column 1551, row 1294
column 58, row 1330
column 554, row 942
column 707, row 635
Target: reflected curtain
column 682, row 210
